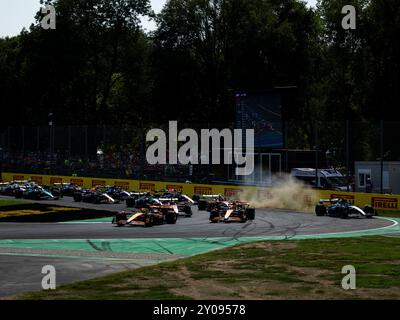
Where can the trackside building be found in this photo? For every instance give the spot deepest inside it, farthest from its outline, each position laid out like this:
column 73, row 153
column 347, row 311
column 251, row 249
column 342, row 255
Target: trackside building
column 368, row 176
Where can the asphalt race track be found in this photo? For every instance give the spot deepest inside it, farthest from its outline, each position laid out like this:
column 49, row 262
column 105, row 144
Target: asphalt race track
column 26, row 247
column 268, row 222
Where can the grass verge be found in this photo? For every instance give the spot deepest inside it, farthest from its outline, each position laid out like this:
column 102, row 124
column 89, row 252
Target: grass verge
column 7, row 203
column 389, row 214
column 308, row 269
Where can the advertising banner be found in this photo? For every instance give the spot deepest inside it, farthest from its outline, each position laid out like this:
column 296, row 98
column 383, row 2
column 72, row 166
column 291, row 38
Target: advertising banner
column 378, row 201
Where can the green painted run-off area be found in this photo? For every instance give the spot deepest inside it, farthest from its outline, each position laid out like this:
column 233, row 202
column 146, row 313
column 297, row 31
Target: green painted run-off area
column 188, row 246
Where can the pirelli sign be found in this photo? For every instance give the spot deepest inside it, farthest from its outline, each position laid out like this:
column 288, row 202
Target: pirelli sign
column 56, row 180
column 147, row 186
column 37, row 179
column 78, row 182
column 122, row 184
column 233, row 193
column 96, row 183
column 385, row 203
column 203, row 190
column 174, row 188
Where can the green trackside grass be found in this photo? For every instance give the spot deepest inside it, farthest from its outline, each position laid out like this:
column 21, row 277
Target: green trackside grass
column 308, row 269
column 26, row 211
column 389, row 214
column 7, row 203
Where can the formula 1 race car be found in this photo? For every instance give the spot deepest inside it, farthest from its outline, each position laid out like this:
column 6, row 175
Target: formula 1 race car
column 146, row 217
column 8, row 188
column 54, row 189
column 232, row 212
column 181, row 204
column 341, row 208
column 139, row 200
column 177, row 202
column 205, row 203
column 33, row 192
column 117, row 193
column 61, row 189
column 95, row 196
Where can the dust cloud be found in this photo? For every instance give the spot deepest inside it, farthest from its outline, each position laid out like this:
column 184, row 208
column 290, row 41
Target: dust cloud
column 287, row 193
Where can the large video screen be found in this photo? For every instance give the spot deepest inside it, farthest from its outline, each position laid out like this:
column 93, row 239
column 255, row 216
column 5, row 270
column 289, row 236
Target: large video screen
column 263, row 113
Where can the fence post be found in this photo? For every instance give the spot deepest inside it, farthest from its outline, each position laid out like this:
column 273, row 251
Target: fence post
column 23, row 139
column 69, row 140
column 347, row 154
column 381, row 152
column 37, row 138
column 316, row 155
column 8, row 138
column 86, row 141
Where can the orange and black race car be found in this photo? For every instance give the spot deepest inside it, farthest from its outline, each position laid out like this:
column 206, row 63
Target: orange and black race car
column 146, row 217
column 207, row 202
column 181, row 204
column 236, row 211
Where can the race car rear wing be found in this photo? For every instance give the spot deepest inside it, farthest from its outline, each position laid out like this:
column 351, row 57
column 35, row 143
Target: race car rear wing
column 138, row 193
column 329, row 200
column 211, row 196
column 109, row 198
column 168, row 199
column 188, row 198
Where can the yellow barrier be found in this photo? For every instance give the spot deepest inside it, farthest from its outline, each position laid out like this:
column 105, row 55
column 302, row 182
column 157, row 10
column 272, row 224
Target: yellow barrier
column 378, row 201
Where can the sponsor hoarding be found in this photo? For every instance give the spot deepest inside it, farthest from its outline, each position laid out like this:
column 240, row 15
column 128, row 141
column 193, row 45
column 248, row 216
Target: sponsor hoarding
column 385, row 203
column 380, row 202
column 147, row 186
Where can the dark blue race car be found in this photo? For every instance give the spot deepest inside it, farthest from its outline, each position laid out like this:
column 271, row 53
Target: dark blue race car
column 341, row 208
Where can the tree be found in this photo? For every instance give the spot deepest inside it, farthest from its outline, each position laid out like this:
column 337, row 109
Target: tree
column 217, row 47
column 72, row 71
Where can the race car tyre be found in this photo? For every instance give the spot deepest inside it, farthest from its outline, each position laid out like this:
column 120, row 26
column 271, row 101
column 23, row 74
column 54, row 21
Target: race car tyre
column 18, row 194
column 369, row 210
column 343, row 213
column 130, row 202
column 320, row 210
column 121, row 216
column 214, row 217
column 243, row 218
column 149, row 223
column 78, row 197
column 188, row 211
column 56, row 193
column 202, row 206
column 171, row 217
column 251, row 213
